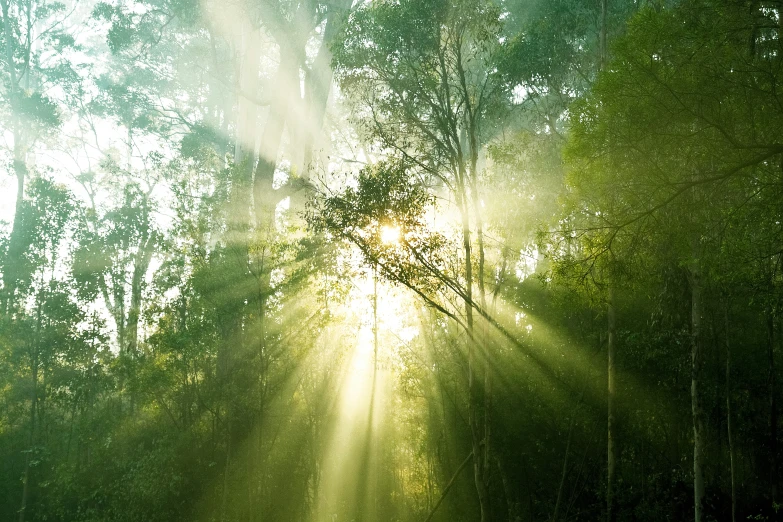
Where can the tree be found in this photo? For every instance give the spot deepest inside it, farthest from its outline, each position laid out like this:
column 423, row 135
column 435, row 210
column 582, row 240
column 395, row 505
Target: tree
column 423, row 74
column 30, row 113
column 712, row 137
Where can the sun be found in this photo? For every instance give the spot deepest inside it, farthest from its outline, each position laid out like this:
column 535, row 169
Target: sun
column 390, row 235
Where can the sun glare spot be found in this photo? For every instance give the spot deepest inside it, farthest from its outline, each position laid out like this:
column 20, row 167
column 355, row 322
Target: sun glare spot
column 390, row 235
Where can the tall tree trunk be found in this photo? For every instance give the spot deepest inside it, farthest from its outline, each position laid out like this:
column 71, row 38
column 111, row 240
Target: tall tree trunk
column 264, row 202
column 264, row 198
column 238, row 215
column 564, row 473
column 611, row 442
column 512, row 500
column 141, row 263
column 697, row 364
column 773, row 411
column 448, row 487
column 226, row 470
column 285, row 109
column 729, row 432
column 474, row 399
column 482, row 459
column 115, row 302
column 35, row 349
column 31, row 440
column 15, row 246
column 318, row 82
column 611, row 435
column 247, row 111
column 244, row 147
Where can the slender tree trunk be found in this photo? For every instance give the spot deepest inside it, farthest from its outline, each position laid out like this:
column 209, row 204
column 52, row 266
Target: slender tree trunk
column 30, row 443
column 564, row 473
column 697, row 364
column 238, row 219
column 318, row 83
column 474, row 399
column 729, row 432
column 226, row 471
column 375, row 441
column 71, row 424
column 462, row 203
column 611, row 442
column 448, row 487
column 115, row 302
column 512, row 500
column 773, row 412
column 15, row 247
column 611, row 435
column 35, row 350
column 141, row 264
column 481, row 459
column 264, row 204
column 264, row 284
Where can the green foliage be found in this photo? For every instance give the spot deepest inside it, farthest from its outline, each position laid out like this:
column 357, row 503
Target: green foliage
column 176, row 345
column 37, row 109
column 431, row 69
column 386, row 197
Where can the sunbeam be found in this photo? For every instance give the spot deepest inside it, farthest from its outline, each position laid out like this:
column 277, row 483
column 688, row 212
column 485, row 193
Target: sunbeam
column 391, row 260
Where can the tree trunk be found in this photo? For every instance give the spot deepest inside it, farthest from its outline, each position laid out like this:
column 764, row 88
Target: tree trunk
column 729, row 433
column 474, row 399
column 141, row 264
column 238, row 215
column 31, row 441
column 318, row 83
column 482, row 459
column 244, row 149
column 226, row 470
column 773, row 413
column 611, row 442
column 35, row 350
column 512, row 499
column 15, row 247
column 264, row 198
column 564, row 474
column 448, row 487
column 247, row 113
column 697, row 364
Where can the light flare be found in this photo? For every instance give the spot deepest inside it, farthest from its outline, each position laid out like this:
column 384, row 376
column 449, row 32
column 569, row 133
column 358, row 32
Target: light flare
column 390, row 235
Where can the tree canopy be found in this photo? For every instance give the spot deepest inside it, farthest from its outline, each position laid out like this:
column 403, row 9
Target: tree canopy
column 391, row 260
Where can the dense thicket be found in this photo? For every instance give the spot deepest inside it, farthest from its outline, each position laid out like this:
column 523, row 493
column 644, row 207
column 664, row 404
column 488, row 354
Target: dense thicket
column 391, row 260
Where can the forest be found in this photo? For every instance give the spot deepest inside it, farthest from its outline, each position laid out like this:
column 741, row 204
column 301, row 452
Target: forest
column 391, row 260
